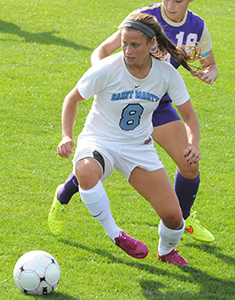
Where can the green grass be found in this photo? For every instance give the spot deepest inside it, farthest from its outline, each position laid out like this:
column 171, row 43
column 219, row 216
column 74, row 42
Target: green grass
column 45, row 48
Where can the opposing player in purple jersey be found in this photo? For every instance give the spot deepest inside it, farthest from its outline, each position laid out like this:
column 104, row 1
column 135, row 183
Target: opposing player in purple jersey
column 184, row 28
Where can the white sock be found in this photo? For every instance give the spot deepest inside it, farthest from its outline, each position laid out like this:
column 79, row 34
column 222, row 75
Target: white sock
column 97, row 202
column 169, row 238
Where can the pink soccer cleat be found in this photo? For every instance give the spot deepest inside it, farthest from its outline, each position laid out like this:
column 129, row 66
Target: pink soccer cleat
column 131, row 246
column 173, row 258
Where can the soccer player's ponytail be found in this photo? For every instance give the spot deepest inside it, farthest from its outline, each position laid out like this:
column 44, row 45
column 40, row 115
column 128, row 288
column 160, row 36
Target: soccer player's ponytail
column 164, row 45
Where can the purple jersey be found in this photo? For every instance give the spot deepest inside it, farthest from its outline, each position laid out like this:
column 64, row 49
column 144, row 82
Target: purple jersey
column 188, row 32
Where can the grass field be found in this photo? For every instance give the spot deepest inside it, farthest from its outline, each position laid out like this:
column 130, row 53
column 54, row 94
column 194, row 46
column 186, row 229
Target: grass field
column 45, row 47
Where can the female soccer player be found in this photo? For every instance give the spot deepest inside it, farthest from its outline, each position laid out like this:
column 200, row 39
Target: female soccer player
column 127, row 87
column 184, row 28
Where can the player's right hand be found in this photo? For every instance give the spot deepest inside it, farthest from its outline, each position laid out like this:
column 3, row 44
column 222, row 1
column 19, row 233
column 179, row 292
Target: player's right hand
column 65, row 147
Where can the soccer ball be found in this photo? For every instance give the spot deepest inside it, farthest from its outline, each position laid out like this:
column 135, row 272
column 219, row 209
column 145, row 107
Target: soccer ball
column 36, row 273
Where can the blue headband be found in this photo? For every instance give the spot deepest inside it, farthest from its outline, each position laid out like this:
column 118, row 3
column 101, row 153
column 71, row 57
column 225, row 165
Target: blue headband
column 139, row 26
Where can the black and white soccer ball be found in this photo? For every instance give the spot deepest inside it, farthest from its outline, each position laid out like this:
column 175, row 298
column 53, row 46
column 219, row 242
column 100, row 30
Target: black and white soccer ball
column 36, row 273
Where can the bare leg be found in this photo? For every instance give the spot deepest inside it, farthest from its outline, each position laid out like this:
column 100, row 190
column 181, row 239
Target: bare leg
column 172, row 137
column 157, row 189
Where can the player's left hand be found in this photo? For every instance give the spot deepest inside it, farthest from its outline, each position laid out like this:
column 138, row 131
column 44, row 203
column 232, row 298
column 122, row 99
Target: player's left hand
column 192, row 154
column 204, row 76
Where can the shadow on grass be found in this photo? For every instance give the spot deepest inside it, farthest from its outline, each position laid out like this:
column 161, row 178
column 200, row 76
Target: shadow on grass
column 211, row 287
column 46, row 38
column 113, row 259
column 215, row 251
column 54, row 296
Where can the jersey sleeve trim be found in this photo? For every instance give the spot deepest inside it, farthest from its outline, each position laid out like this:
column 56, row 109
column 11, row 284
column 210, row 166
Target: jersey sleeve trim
column 205, row 43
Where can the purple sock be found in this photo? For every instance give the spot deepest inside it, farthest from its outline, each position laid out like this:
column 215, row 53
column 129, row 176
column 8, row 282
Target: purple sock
column 68, row 190
column 186, row 191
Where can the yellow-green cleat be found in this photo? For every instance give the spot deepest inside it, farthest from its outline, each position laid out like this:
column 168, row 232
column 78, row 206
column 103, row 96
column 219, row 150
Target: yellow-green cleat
column 57, row 215
column 197, row 231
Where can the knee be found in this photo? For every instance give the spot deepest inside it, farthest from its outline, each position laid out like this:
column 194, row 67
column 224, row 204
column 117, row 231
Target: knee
column 82, row 173
column 88, row 174
column 173, row 220
column 189, row 171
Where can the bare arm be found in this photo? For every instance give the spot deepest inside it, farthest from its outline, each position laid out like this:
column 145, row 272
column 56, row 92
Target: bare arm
column 69, row 112
column 190, row 118
column 210, row 70
column 110, row 45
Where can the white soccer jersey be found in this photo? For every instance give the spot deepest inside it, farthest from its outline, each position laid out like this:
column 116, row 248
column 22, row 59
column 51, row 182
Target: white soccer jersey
column 123, row 104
